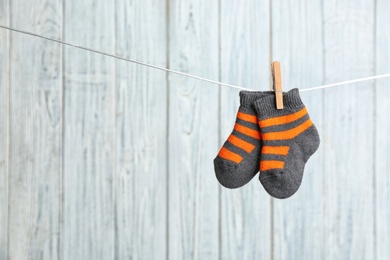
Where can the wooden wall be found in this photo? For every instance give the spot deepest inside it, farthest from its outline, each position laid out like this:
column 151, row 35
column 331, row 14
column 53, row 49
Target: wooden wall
column 104, row 159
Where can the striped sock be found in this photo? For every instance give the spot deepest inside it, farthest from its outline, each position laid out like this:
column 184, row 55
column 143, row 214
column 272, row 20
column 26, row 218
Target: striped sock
column 289, row 139
column 238, row 160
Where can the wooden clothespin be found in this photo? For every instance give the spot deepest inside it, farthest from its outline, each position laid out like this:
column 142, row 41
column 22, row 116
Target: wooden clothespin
column 277, row 77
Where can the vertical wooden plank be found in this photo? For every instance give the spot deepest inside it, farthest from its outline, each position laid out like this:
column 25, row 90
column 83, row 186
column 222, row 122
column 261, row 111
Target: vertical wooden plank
column 245, row 60
column 88, row 228
column 36, row 104
column 141, row 132
column 348, row 132
column 193, row 130
column 382, row 128
column 297, row 43
column 4, row 126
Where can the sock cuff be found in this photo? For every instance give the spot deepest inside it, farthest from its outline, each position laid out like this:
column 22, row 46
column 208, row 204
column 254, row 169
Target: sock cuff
column 267, row 104
column 248, row 97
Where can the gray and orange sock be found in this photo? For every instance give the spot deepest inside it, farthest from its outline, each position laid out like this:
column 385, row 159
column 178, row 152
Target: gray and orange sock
column 238, row 160
column 289, row 139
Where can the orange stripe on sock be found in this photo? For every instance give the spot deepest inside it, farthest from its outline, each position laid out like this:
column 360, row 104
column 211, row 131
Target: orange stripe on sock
column 247, row 147
column 288, row 134
column 283, row 119
column 280, row 150
column 247, row 131
column 247, row 117
column 268, row 165
column 228, row 155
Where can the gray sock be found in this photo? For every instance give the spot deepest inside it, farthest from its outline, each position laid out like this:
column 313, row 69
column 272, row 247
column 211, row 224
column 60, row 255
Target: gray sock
column 289, row 139
column 238, row 160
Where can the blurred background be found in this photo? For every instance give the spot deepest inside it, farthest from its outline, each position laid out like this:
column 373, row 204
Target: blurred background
column 105, row 159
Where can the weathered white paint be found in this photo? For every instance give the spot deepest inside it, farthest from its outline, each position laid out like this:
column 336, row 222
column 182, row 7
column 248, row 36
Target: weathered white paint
column 89, row 117
column 96, row 177
column 298, row 222
column 35, row 130
column 193, row 131
column 4, row 132
column 348, row 135
column 140, row 180
column 381, row 134
column 244, row 38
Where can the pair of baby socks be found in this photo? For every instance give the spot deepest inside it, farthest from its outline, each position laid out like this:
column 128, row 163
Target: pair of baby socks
column 276, row 142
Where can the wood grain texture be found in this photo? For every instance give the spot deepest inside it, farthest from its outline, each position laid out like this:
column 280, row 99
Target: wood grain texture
column 193, row 131
column 348, row 133
column 88, row 218
column 245, row 61
column 297, row 42
column 382, row 129
column 119, row 165
column 141, row 132
column 36, row 106
column 4, row 127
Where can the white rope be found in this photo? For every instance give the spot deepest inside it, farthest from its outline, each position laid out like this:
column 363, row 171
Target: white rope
column 186, row 74
column 125, row 59
column 346, row 82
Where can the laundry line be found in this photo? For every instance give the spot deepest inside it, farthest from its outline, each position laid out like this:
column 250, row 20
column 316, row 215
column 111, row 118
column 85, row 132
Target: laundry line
column 183, row 73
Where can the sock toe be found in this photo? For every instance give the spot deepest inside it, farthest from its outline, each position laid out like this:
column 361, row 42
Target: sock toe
column 229, row 174
column 279, row 184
